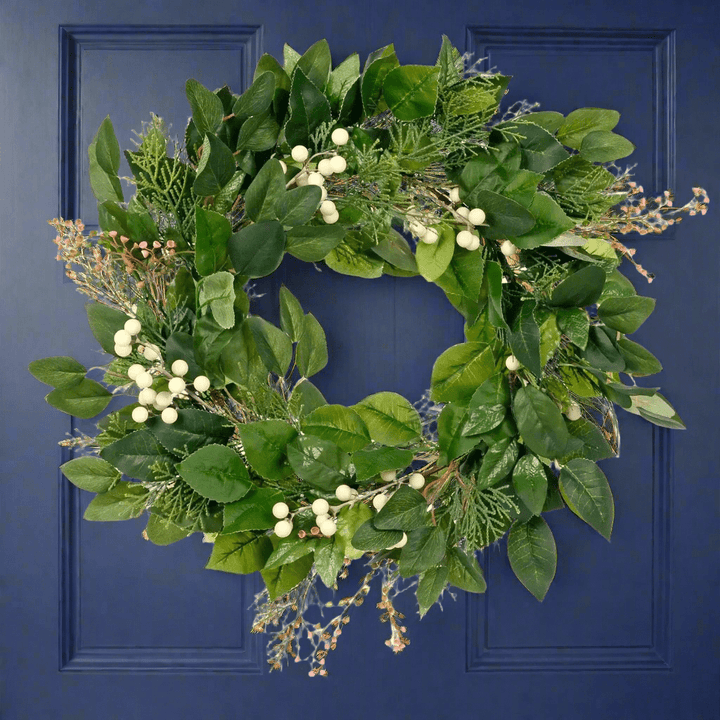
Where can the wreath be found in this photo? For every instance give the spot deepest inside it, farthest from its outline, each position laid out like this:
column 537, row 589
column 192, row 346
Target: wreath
column 399, row 170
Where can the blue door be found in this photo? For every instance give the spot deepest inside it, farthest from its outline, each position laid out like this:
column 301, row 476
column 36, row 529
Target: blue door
column 97, row 623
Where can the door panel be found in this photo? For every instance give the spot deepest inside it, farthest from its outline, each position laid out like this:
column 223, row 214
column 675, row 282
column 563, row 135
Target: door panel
column 102, row 624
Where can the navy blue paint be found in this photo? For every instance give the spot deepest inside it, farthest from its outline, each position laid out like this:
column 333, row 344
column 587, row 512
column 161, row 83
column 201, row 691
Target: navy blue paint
column 98, row 623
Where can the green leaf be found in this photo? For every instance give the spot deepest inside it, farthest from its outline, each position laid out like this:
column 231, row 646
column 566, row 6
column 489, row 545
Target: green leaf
column 207, row 108
column 547, row 119
column 215, row 169
column 579, row 289
column 530, row 482
column 320, row 463
column 316, row 63
column 212, row 232
column 602, row 350
column 274, row 346
column 533, row 555
column 433, row 260
column 430, row 586
column 462, row 280
column 90, row 473
column 453, row 439
column 135, row 453
column 192, row 429
column 638, row 361
column 312, row 243
column 311, row 355
column 587, row 493
column 605, row 146
column 104, row 164
column 160, row 531
column 368, row 538
column 504, row 217
column 341, row 80
column 258, row 133
column 541, row 151
column 242, row 553
column 617, row 285
column 657, row 410
column 379, row 64
column 626, row 314
column 498, row 463
column 297, row 206
column 265, row 444
column 525, row 339
column 251, row 512
column 125, row 501
column 340, row 425
column 347, row 260
column 284, row 578
column 257, row 249
column 305, row 397
column 288, row 550
column 594, row 447
column 523, row 189
column 329, row 557
column 59, row 372
column 448, row 59
column 239, row 358
column 390, row 418
column 84, row 400
column 488, row 405
column 493, row 279
column 425, row 548
column 309, row 108
column 411, row 91
column 257, row 98
column 292, row 317
column 549, row 338
column 460, row 370
column 262, row 198
column 394, row 248
column 575, row 323
column 464, row 571
column 104, row 322
column 540, row 422
column 550, row 222
column 349, row 520
column 216, row 472
column 371, row 462
column 580, row 123
column 405, row 510
column 217, row 292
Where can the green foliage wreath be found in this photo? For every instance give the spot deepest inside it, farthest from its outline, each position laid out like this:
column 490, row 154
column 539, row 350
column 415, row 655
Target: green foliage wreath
column 512, row 215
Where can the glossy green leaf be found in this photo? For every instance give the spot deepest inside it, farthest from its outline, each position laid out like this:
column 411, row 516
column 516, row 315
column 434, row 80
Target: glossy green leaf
column 349, row 520
column 488, row 405
column 263, row 196
column 292, row 317
column 341, row 80
column 257, row 98
column 524, row 339
column 339, row 424
column 638, row 361
column 125, row 501
column 433, row 259
column 84, row 400
column 575, row 323
column 216, row 292
column 411, row 91
column 281, row 579
column 493, row 280
column 273, row 345
column 104, row 163
column 580, row 123
column 311, row 354
column 320, row 463
column 394, row 248
column 241, row 553
column 58, row 372
column 207, row 108
column 540, row 422
column 626, row 314
column 657, row 410
column 373, row 77
column 215, row 169
column 135, row 453
column 104, row 322
column 212, row 233
column 533, row 555
column 368, row 538
column 390, row 418
column 90, row 473
column 602, row 350
column 305, row 397
column 252, row 512
column 265, row 444
column 258, row 133
column 290, row 549
column 462, row 280
column 371, row 462
column 460, row 370
column 298, row 205
column 504, row 217
column 160, row 531
column 547, row 119
column 530, row 482
column 604, row 146
column 541, row 151
column 498, row 462
column 464, row 571
column 312, row 243
column 425, row 548
column 453, row 439
column 550, row 222
column 405, row 510
column 192, row 429
column 579, row 289
column 329, row 559
column 216, row 472
column 587, row 493
column 239, row 360
column 430, row 586
column 308, row 109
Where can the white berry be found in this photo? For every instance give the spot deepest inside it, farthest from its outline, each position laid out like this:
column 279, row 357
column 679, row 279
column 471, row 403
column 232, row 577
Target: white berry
column 280, row 510
column 327, row 207
column 464, row 211
column 169, row 415
column 140, row 414
column 430, row 236
column 328, row 528
column 343, row 493
column 475, row 244
column 134, row 370
column 331, row 218
column 147, row 396
column 283, row 166
column 144, row 379
column 454, row 195
column 476, row 216
column 512, row 363
column 299, row 153
column 416, row 481
column 400, row 543
column 133, row 326
column 179, row 367
column 301, row 179
column 283, row 528
column 388, row 475
column 340, row 136
column 201, row 383
column 151, row 352
column 379, row 501
column 123, row 350
column 162, row 400
column 176, row 385
column 320, row 506
column 325, row 167
column 320, row 519
column 464, row 238
column 122, row 337
column 418, row 229
column 507, row 248
column 574, row 412
column 338, row 164
column 323, row 193
column 316, row 178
